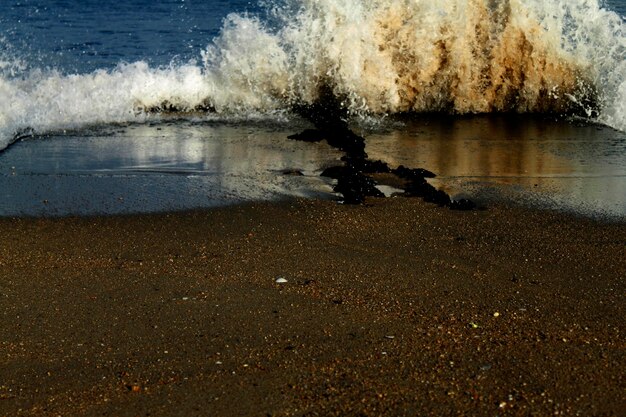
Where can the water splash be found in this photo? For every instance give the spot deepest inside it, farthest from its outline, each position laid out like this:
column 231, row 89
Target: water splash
column 378, row 57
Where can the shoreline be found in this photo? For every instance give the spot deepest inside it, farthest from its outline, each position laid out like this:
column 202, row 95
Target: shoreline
column 183, row 166
column 397, row 307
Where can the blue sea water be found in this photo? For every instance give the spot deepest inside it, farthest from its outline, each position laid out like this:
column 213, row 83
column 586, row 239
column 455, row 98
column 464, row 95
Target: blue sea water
column 247, row 57
column 82, row 80
column 86, row 35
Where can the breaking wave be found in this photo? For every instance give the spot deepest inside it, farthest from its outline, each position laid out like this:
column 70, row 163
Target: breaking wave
column 378, row 57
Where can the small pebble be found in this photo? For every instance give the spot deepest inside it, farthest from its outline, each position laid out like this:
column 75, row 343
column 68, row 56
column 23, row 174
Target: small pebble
column 281, row 280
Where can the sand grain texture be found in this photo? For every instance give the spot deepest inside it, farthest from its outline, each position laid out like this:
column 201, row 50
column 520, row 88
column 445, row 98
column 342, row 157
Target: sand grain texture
column 394, row 308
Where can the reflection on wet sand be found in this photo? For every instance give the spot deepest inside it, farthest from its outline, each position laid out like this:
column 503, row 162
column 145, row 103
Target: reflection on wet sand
column 181, row 164
column 566, row 164
column 144, row 168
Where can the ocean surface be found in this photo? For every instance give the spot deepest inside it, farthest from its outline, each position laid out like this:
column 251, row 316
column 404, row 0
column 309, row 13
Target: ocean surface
column 139, row 106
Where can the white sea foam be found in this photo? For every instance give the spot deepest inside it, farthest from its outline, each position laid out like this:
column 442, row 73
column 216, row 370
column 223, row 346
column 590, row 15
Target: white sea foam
column 378, row 56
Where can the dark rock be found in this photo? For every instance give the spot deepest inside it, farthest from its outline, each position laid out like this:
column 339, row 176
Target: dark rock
column 438, row 197
column 417, row 188
column 308, row 135
column 376, row 167
column 335, row 172
column 354, row 185
column 421, row 188
column 327, row 112
column 329, row 117
column 412, row 173
column 367, row 166
column 346, row 140
column 462, row 205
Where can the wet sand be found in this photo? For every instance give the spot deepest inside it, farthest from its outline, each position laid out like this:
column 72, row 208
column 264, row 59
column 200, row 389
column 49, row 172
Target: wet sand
column 183, row 165
column 395, row 308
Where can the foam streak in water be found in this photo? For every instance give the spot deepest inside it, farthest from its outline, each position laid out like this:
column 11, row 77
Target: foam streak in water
column 378, row 57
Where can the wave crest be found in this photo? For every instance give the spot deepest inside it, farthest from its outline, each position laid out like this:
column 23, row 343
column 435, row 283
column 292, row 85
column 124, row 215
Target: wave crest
column 377, row 57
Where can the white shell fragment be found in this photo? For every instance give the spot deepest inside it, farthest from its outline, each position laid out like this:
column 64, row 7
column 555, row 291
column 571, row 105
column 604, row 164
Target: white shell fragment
column 281, row 280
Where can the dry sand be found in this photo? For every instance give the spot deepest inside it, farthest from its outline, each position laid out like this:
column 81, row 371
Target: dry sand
column 394, row 308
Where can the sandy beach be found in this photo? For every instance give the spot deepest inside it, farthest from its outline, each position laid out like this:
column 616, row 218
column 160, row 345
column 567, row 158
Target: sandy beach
column 170, row 243
column 397, row 307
